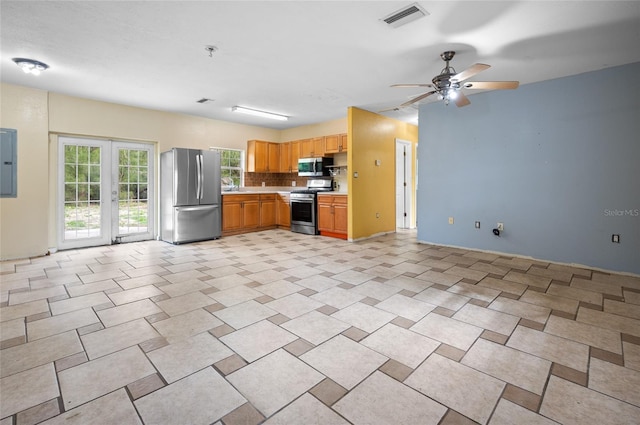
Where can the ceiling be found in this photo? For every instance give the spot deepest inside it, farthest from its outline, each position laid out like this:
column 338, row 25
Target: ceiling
column 308, row 60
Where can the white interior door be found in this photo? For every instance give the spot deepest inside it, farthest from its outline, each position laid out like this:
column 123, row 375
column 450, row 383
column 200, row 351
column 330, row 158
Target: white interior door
column 105, row 192
column 403, row 184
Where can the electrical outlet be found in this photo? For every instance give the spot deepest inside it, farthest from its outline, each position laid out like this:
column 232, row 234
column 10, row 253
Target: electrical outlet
column 377, row 215
column 293, row 183
column 615, row 238
column 263, row 184
column 501, row 226
column 450, row 220
column 477, row 224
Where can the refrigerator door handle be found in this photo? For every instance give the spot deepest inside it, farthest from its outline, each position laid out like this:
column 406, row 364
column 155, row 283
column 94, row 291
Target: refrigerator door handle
column 199, row 176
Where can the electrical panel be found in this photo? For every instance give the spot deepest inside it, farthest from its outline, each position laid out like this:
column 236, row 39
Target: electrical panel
column 8, row 163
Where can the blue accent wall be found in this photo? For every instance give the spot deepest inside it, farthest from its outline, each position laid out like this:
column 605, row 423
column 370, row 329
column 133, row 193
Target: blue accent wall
column 558, row 162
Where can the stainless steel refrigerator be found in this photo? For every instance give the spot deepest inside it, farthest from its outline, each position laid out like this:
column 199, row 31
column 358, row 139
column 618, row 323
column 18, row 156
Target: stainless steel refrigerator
column 190, row 200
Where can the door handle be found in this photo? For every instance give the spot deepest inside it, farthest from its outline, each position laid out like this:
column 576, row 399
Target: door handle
column 198, row 177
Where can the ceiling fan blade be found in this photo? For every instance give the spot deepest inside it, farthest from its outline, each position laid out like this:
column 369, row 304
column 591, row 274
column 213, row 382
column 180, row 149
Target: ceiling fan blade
column 462, row 100
column 470, row 72
column 417, row 99
column 395, row 108
column 412, row 85
column 492, row 85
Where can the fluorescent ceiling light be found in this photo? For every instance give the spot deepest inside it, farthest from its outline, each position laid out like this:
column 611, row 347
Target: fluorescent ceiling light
column 257, row 113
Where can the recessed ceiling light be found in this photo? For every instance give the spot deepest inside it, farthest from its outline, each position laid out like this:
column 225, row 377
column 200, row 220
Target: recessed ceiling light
column 30, row 66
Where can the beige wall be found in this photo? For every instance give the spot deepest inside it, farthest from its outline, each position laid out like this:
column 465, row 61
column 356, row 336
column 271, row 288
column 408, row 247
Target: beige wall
column 315, row 130
column 72, row 115
column 28, row 222
column 23, row 220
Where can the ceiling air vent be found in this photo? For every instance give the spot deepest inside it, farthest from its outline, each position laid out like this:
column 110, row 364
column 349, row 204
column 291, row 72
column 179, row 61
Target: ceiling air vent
column 405, row 15
column 204, row 100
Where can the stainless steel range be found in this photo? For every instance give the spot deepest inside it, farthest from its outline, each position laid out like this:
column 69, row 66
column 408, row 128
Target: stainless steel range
column 304, row 206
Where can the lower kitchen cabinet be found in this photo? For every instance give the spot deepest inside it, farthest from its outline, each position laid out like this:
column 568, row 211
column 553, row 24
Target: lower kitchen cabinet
column 332, row 215
column 283, row 211
column 248, row 213
column 240, row 213
column 243, row 213
column 267, row 210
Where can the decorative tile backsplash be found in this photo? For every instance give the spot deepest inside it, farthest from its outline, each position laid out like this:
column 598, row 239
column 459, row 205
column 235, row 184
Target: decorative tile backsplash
column 274, row 179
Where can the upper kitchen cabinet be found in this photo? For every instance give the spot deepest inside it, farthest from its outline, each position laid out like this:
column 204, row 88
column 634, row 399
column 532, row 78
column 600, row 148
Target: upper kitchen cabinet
column 295, row 155
column 312, row 148
column 263, row 157
column 335, row 143
column 289, row 154
column 285, row 158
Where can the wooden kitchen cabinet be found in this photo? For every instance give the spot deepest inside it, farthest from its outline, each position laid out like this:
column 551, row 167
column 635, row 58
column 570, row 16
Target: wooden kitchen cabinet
column 295, row 155
column 263, row 157
column 306, row 147
column 318, row 147
column 344, row 146
column 333, row 215
column 240, row 213
column 285, row 158
column 312, row 148
column 283, row 211
column 289, row 154
column 336, row 143
column 267, row 210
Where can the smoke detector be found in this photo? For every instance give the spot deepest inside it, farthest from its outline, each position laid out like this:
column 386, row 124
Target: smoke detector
column 405, row 15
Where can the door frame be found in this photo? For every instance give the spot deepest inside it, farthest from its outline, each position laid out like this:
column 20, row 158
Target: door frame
column 404, row 162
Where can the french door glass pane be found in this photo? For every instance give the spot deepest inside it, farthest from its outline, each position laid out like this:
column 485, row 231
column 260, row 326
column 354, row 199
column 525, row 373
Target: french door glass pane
column 133, row 208
column 82, row 212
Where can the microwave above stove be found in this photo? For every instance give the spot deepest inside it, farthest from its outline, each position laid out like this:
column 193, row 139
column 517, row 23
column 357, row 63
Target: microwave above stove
column 314, row 167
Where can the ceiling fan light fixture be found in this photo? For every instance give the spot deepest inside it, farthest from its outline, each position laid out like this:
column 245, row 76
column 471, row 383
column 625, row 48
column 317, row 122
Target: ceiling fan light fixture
column 30, row 66
column 258, row 113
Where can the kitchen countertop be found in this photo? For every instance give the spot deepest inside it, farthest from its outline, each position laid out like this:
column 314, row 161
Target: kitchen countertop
column 266, row 190
column 256, row 190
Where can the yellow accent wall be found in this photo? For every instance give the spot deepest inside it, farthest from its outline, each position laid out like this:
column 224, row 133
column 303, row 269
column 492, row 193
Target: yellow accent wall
column 372, row 137
column 23, row 223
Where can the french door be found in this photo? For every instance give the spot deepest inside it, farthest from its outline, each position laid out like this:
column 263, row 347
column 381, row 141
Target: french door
column 105, row 192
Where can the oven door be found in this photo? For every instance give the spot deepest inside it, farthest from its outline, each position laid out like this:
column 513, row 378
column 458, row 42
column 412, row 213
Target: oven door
column 303, row 214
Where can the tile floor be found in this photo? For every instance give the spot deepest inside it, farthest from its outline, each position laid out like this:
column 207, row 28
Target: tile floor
column 276, row 327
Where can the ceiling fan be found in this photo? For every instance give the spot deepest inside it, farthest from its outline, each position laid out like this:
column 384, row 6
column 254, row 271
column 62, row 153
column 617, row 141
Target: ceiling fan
column 449, row 84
